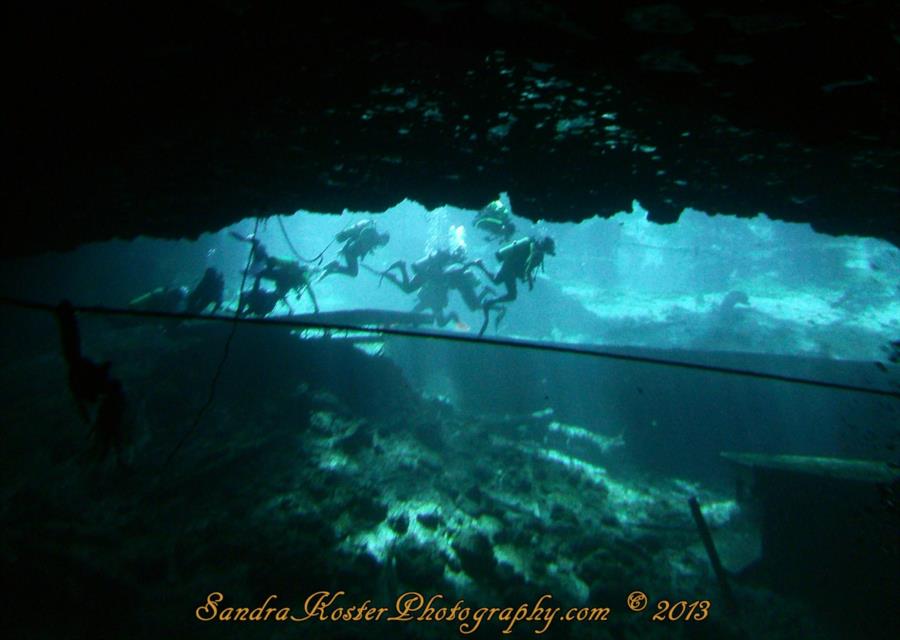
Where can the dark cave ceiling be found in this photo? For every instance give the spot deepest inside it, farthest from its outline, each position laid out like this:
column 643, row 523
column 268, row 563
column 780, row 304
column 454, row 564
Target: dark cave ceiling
column 170, row 119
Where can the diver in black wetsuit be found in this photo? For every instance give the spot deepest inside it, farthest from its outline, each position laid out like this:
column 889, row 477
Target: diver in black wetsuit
column 359, row 240
column 286, row 274
column 519, row 260
column 434, row 276
column 424, row 269
column 209, row 291
column 458, row 277
column 257, row 302
column 93, row 388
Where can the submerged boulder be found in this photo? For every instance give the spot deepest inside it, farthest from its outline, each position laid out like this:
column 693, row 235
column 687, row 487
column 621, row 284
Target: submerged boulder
column 476, row 555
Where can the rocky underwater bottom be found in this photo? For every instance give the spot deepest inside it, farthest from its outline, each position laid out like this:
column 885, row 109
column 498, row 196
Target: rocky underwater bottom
column 318, row 488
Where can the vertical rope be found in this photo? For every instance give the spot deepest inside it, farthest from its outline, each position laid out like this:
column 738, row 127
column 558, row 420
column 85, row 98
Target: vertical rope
column 215, row 380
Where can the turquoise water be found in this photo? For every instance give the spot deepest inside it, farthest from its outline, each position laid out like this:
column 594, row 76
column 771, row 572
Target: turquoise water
column 492, row 474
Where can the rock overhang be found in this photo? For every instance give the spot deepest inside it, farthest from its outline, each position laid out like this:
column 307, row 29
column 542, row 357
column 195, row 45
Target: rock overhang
column 170, row 122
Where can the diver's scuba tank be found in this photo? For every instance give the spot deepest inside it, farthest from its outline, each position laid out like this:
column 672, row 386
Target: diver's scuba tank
column 433, row 263
column 495, row 209
column 512, row 248
column 459, row 276
column 421, row 265
column 354, row 230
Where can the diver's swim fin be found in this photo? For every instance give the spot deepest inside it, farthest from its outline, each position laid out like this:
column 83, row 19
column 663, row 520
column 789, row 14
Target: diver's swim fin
column 484, row 324
column 501, row 313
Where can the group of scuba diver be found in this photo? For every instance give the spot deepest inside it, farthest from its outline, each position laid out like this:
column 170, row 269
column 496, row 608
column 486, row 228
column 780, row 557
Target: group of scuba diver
column 431, row 278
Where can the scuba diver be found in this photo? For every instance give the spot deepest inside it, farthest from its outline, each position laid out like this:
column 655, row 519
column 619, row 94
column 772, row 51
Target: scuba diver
column 494, row 219
column 458, row 277
column 359, row 240
column 434, row 276
column 424, row 268
column 209, row 291
column 435, row 296
column 286, row 274
column 257, row 302
column 92, row 385
column 519, row 260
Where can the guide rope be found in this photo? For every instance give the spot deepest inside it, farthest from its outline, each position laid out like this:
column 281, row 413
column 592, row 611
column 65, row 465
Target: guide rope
column 220, row 367
column 295, row 323
column 296, row 253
